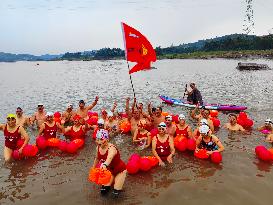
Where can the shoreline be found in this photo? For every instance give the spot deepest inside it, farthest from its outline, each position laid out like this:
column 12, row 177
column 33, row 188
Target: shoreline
column 244, row 55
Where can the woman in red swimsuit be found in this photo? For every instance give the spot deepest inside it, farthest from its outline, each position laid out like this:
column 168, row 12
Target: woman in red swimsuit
column 182, row 128
column 141, row 135
column 162, row 145
column 77, row 131
column 13, row 133
column 49, row 128
column 109, row 158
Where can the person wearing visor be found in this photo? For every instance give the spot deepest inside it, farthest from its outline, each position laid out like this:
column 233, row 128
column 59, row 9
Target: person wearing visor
column 21, row 119
column 156, row 116
column 232, row 125
column 49, row 128
column 208, row 141
column 68, row 115
column 182, row 128
column 83, row 110
column 141, row 136
column 108, row 157
column 196, row 132
column 268, row 125
column 39, row 116
column 13, row 133
column 171, row 128
column 77, row 131
column 163, row 146
column 203, row 114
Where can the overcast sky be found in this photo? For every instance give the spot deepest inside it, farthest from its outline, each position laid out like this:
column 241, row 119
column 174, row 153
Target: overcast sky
column 58, row 26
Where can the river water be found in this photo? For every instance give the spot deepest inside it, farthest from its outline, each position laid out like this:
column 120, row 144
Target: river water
column 57, row 178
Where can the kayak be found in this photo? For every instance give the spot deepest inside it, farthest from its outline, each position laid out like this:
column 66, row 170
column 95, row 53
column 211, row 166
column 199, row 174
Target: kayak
column 181, row 102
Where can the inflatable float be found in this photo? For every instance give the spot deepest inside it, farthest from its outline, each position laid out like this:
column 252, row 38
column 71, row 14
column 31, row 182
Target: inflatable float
column 181, row 102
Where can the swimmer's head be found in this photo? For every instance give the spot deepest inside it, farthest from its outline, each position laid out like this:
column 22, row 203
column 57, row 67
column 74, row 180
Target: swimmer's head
column 19, row 111
column 192, row 85
column 232, row 118
column 81, row 103
column 100, row 123
column 205, row 113
column 204, row 129
column 40, row 106
column 162, row 127
column 69, row 106
column 102, row 136
column 11, row 120
column 158, row 111
column 268, row 122
column 204, row 122
column 168, row 119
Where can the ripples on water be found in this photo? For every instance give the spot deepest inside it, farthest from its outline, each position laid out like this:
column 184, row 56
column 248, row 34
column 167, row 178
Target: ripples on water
column 55, row 177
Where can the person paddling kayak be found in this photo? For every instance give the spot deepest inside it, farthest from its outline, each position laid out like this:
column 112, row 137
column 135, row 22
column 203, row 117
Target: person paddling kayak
column 194, row 96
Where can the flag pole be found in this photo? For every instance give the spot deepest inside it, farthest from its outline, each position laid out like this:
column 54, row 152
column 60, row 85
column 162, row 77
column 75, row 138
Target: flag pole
column 131, row 80
column 125, row 52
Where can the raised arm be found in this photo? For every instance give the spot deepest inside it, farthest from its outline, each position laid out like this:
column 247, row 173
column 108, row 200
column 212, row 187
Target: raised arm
column 150, row 109
column 193, row 112
column 114, row 107
column 90, row 107
column 127, row 109
column 2, row 126
column 134, row 105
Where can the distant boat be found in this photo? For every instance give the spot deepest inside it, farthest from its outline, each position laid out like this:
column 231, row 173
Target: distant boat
column 252, row 66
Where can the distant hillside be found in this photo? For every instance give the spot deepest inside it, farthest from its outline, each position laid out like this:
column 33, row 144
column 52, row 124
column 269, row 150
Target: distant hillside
column 233, row 42
column 9, row 57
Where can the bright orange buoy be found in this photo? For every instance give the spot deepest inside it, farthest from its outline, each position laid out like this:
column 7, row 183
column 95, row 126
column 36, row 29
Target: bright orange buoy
column 53, row 142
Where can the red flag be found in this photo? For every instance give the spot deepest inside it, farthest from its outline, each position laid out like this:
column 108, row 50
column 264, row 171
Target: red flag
column 137, row 49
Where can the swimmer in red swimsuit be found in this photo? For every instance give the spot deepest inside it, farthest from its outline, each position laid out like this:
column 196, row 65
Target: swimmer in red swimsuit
column 77, row 131
column 162, row 145
column 109, row 158
column 141, row 135
column 182, row 128
column 49, row 128
column 13, row 133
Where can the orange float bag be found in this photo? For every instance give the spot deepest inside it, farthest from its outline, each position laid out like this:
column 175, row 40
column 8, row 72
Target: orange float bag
column 94, row 175
column 104, row 177
column 53, row 142
column 99, row 176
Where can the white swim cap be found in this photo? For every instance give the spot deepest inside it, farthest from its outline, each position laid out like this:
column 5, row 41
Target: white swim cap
column 204, row 129
column 181, row 117
column 102, row 134
column 204, row 122
column 101, row 121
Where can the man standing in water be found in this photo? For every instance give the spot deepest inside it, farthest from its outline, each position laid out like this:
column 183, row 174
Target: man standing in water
column 194, row 96
column 83, row 111
column 21, row 119
column 39, row 116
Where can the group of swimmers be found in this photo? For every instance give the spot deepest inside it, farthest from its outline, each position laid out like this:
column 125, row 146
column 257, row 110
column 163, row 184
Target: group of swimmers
column 73, row 123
